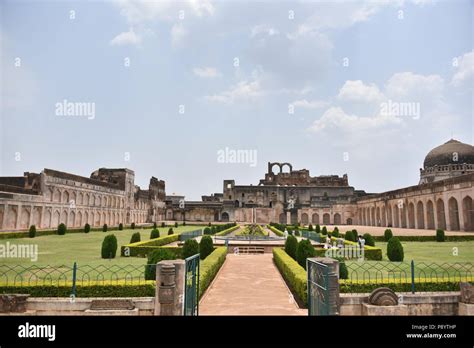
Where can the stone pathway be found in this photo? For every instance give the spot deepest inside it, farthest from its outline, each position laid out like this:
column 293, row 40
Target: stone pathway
column 249, row 285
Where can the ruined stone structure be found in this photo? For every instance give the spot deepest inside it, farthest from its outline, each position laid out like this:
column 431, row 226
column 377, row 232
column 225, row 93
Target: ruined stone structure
column 442, row 199
column 47, row 199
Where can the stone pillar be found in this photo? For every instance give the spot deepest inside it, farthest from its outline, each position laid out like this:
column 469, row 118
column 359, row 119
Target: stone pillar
column 288, row 217
column 332, row 283
column 169, row 296
column 460, row 211
column 447, row 215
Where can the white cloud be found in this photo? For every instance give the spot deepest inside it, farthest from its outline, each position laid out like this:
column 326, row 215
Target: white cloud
column 178, row 32
column 357, row 91
column 313, row 104
column 263, row 29
column 336, row 117
column 244, row 90
column 464, row 70
column 410, row 86
column 126, row 38
column 206, row 72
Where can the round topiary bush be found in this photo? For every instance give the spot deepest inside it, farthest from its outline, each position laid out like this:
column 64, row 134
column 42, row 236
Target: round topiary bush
column 297, row 233
column 343, row 272
column 190, row 248
column 62, row 229
column 206, row 247
column 104, row 228
column 369, row 240
column 170, row 231
column 109, row 247
column 440, row 236
column 310, row 227
column 356, row 235
column 387, row 235
column 395, row 250
column 155, row 257
column 132, row 226
column 349, row 236
column 324, row 231
column 154, row 233
column 335, row 233
column 304, row 250
column 176, row 224
column 87, row 228
column 120, row 226
column 154, row 225
column 291, row 244
column 32, row 231
column 318, row 228
column 184, row 223
column 163, row 224
column 209, row 224
column 207, row 230
column 135, row 237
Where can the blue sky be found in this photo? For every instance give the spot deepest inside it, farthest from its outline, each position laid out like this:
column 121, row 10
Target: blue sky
column 183, row 53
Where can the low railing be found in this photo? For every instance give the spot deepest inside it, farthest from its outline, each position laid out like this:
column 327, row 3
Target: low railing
column 190, row 235
column 71, row 275
column 405, row 276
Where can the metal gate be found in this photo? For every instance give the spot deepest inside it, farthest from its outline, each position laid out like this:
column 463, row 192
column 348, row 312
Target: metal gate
column 191, row 287
column 318, row 288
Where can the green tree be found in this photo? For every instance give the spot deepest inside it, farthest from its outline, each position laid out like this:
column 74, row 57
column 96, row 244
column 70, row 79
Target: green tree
column 154, row 233
column 304, row 250
column 291, row 244
column 109, row 247
column 190, row 248
column 206, row 247
column 395, row 250
column 156, row 256
column 32, row 231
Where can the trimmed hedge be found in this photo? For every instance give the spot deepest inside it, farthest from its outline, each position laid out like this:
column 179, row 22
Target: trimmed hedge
column 156, row 256
column 109, row 247
column 143, row 248
column 209, row 268
column 32, row 231
column 348, row 286
column 276, row 231
column 440, row 236
column 154, row 233
column 145, row 289
column 190, row 248
column 226, row 231
column 62, row 229
column 427, row 238
column 294, row 274
column 387, row 235
column 206, row 247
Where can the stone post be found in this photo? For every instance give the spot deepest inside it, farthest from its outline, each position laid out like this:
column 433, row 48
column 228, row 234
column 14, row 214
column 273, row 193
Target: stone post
column 169, row 297
column 332, row 283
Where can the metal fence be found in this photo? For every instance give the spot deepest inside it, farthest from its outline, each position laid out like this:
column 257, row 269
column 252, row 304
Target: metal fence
column 410, row 276
column 71, row 275
column 190, row 235
column 311, row 235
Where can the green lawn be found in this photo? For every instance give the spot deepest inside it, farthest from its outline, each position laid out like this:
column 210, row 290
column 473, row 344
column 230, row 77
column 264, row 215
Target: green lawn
column 57, row 254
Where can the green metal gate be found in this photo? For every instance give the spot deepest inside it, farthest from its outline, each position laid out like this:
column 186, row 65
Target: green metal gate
column 191, row 287
column 318, row 289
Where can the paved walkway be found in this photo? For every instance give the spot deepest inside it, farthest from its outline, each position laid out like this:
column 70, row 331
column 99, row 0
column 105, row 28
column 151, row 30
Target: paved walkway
column 249, row 285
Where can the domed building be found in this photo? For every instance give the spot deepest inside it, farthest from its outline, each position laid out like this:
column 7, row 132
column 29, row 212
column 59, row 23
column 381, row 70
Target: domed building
column 448, row 160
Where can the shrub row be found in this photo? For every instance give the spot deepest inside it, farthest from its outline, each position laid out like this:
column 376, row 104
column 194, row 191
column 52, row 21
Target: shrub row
column 228, row 230
column 346, row 286
column 209, row 268
column 112, row 290
column 138, row 249
column 294, row 274
column 276, row 230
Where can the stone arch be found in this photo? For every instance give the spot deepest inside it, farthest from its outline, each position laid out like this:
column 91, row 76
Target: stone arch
column 389, row 216
column 65, row 197
column 85, row 218
column 377, row 217
column 453, row 214
column 56, row 219
column 349, row 221
column 420, row 215
column 282, row 218
column 225, row 217
column 72, row 219
column 411, row 215
column 73, row 198
column 326, row 219
column 430, row 215
column 79, row 219
column 283, row 165
column 396, row 215
column 304, row 219
column 48, row 195
column 103, row 219
column 57, row 195
column 37, row 216
column 64, row 217
column 372, row 216
column 384, row 219
column 440, row 214
column 97, row 219
column 403, row 220
column 468, row 213
column 315, row 219
column 25, row 218
column 271, row 165
column 337, row 219
column 80, row 198
column 46, row 223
